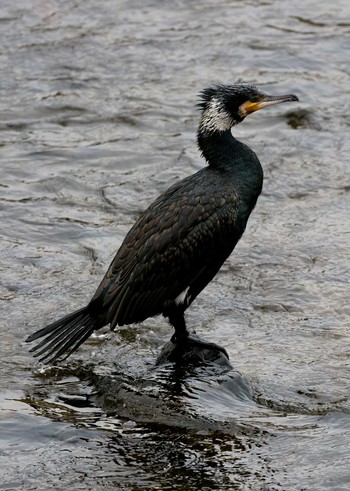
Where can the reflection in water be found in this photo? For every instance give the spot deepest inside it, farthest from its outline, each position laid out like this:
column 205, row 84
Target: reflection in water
column 152, row 425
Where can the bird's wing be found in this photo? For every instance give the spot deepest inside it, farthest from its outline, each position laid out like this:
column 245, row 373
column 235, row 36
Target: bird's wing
column 181, row 234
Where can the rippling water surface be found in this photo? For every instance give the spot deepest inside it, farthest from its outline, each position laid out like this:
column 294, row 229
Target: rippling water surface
column 97, row 118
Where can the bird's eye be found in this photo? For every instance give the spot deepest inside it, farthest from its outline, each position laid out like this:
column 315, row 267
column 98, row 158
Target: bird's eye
column 253, row 99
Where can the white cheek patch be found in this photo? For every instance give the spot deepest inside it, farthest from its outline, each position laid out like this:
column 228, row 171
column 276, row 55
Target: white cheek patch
column 216, row 118
column 180, row 299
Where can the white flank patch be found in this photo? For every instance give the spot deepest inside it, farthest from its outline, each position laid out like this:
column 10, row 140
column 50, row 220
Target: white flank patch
column 181, row 298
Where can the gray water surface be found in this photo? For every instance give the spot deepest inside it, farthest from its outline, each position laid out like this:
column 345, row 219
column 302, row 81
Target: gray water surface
column 97, row 118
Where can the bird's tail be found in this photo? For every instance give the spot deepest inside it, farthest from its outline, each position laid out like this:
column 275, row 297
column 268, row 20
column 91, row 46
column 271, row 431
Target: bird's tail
column 64, row 336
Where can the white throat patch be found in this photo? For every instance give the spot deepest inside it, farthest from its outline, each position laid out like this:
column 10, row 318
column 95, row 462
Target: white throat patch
column 216, row 118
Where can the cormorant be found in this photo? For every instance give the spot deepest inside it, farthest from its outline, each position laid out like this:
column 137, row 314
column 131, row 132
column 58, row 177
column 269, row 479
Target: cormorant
column 180, row 242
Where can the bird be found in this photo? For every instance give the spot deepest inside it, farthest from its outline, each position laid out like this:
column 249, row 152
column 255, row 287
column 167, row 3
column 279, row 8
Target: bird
column 179, row 243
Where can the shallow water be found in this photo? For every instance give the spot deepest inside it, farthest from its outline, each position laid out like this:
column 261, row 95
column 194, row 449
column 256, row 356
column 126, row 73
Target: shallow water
column 97, row 118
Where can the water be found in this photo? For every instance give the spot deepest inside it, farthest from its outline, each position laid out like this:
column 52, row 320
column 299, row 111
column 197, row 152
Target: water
column 97, row 118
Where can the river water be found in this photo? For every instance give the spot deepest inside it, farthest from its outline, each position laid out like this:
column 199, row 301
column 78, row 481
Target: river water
column 97, row 118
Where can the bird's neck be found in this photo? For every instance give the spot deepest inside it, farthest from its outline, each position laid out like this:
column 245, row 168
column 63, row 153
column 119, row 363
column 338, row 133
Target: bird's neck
column 216, row 147
column 221, row 150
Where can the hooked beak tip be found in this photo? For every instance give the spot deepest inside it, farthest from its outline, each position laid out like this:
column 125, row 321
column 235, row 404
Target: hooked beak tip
column 294, row 98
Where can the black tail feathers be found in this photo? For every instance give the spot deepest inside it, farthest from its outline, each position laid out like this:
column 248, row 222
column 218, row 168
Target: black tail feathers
column 64, row 336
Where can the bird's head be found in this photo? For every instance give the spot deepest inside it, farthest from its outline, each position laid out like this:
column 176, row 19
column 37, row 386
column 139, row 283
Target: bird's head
column 224, row 106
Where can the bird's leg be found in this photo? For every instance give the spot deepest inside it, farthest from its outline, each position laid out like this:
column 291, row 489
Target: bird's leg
column 183, row 338
column 177, row 320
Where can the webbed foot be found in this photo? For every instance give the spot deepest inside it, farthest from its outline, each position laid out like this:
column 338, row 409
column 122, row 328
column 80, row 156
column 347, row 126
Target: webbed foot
column 190, row 349
column 195, row 341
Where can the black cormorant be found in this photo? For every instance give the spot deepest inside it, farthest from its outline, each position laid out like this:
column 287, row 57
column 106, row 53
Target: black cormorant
column 180, row 242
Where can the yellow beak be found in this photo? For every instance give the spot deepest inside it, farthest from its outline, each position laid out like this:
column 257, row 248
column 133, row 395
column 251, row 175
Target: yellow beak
column 249, row 107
